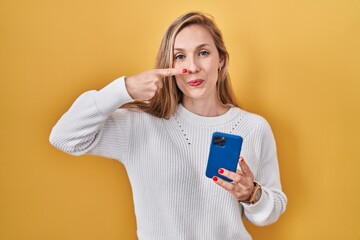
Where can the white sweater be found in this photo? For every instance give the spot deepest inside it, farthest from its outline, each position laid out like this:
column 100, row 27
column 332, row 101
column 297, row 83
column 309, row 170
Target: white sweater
column 166, row 160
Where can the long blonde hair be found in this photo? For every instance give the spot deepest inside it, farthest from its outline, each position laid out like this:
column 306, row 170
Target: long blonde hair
column 165, row 101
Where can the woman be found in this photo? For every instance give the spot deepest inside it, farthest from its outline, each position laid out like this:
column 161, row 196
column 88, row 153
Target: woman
column 159, row 125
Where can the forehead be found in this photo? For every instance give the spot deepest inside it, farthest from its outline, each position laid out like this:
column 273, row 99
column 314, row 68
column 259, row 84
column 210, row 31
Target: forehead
column 193, row 36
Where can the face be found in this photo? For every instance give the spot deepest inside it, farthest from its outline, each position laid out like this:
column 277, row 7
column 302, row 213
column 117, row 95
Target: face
column 195, row 50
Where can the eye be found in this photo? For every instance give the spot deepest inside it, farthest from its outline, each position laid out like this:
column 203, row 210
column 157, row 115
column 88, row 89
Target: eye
column 204, row 53
column 179, row 56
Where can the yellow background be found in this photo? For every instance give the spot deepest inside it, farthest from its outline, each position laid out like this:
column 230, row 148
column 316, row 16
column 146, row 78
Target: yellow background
column 297, row 63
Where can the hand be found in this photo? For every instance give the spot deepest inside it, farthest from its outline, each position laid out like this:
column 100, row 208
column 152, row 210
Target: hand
column 144, row 85
column 243, row 181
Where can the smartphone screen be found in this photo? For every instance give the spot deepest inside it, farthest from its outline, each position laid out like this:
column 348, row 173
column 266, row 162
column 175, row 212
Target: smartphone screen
column 224, row 153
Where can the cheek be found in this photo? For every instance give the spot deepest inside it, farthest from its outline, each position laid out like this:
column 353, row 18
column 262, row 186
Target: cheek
column 180, row 81
column 179, row 64
column 213, row 74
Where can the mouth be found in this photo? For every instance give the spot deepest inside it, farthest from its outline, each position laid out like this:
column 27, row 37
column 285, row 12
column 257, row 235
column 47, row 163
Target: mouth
column 195, row 82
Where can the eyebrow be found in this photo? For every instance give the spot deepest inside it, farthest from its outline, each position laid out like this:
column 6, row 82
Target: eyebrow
column 200, row 46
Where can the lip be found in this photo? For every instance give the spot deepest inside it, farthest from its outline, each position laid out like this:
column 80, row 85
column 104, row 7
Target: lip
column 195, row 82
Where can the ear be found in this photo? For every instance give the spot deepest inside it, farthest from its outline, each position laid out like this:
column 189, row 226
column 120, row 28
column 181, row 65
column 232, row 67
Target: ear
column 221, row 62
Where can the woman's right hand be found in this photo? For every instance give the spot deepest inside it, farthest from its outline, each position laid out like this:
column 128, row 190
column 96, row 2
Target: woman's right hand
column 143, row 86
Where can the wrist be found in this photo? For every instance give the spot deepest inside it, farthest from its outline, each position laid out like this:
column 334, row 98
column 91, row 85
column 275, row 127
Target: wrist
column 255, row 194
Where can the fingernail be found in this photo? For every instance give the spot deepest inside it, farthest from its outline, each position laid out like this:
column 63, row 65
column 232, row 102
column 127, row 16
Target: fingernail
column 221, row 171
column 215, row 179
column 184, row 70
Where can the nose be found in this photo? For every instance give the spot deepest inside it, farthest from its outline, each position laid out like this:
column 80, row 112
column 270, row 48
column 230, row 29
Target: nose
column 193, row 66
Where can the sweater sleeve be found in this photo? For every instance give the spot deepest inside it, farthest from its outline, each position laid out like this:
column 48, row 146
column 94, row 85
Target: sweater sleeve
column 273, row 201
column 93, row 123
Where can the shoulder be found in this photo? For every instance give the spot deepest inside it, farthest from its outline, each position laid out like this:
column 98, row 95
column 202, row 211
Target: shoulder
column 252, row 123
column 252, row 118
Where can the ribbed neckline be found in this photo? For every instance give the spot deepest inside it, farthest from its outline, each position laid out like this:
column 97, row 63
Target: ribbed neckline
column 187, row 116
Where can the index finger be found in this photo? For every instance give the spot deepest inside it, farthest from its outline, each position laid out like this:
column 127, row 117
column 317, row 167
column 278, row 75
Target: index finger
column 167, row 72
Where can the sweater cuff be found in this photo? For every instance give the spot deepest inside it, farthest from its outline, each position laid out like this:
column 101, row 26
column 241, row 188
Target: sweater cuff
column 112, row 96
column 262, row 208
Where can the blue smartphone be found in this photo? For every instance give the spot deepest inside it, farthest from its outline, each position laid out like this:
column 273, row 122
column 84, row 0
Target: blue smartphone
column 224, row 153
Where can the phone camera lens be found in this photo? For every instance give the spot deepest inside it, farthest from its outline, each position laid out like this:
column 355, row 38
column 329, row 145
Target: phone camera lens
column 219, row 140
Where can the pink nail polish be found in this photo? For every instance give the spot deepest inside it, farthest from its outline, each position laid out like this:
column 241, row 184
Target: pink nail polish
column 215, row 179
column 221, row 171
column 184, row 70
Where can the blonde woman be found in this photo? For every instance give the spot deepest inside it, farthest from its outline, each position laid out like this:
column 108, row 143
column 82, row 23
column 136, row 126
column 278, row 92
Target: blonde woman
column 159, row 123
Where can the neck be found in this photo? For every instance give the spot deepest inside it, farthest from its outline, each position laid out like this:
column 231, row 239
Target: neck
column 205, row 108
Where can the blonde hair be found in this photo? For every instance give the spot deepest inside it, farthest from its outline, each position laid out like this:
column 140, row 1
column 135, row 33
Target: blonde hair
column 165, row 101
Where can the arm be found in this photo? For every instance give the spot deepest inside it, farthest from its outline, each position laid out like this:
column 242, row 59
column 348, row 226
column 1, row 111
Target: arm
column 264, row 171
column 273, row 201
column 91, row 123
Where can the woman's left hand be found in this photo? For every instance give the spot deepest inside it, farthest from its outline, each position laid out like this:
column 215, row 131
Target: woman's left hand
column 243, row 181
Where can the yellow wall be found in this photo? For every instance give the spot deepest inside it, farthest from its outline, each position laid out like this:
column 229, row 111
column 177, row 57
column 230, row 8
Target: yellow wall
column 295, row 62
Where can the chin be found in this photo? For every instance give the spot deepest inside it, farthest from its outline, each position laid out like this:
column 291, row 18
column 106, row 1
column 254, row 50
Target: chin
column 195, row 94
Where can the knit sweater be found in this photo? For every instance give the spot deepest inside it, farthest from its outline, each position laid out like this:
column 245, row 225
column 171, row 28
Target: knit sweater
column 166, row 160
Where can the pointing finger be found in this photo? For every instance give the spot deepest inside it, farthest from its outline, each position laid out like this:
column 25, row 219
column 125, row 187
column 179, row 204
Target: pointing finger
column 167, row 72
